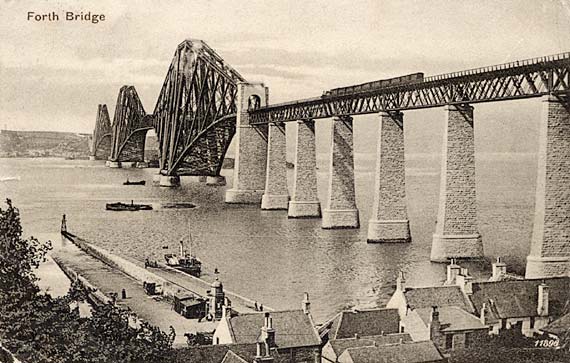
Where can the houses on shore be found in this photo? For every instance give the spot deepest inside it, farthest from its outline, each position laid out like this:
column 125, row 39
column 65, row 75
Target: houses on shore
column 421, row 324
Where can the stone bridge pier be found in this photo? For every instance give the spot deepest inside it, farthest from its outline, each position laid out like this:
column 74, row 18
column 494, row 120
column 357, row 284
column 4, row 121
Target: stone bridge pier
column 276, row 194
column 389, row 219
column 341, row 210
column 550, row 245
column 251, row 148
column 456, row 233
column 305, row 201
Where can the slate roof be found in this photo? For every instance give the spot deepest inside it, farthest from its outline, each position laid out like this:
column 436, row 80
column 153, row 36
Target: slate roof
column 559, row 327
column 223, row 353
column 365, row 323
column 340, row 345
column 452, row 319
column 516, row 299
column 414, row 352
column 231, row 357
column 207, row 353
column 426, row 297
column 293, row 328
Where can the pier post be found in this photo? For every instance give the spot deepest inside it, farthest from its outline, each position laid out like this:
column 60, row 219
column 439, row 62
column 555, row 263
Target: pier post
column 456, row 234
column 276, row 194
column 341, row 211
column 550, row 245
column 251, row 148
column 389, row 220
column 305, row 200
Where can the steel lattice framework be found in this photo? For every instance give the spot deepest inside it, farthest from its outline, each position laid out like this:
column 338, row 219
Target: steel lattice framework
column 195, row 113
column 101, row 142
column 522, row 79
column 130, row 125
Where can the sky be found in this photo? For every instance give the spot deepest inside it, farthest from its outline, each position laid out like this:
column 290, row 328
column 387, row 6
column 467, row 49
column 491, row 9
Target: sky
column 54, row 74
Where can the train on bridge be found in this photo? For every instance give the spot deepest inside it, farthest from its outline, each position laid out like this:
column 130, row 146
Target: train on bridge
column 374, row 85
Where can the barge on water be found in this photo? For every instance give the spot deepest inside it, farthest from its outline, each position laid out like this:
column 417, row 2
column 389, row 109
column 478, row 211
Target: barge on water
column 140, row 182
column 127, row 207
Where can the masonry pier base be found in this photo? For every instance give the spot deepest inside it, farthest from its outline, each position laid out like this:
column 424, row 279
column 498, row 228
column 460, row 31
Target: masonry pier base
column 197, row 178
column 169, row 181
column 218, row 180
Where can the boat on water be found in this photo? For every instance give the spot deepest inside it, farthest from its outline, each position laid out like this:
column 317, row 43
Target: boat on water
column 127, row 207
column 185, row 262
column 9, row 178
column 140, row 182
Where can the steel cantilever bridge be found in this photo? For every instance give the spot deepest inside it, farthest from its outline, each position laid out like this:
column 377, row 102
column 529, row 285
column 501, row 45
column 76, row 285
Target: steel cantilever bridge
column 195, row 114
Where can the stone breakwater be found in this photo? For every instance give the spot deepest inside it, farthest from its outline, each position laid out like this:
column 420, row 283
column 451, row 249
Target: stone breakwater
column 169, row 279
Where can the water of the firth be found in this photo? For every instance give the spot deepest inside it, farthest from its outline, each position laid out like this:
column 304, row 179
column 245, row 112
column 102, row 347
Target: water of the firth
column 262, row 254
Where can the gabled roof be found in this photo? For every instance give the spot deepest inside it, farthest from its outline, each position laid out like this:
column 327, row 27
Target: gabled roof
column 223, row 353
column 293, row 328
column 559, row 327
column 426, row 297
column 517, row 299
column 414, row 352
column 204, row 353
column 452, row 319
column 365, row 323
column 231, row 357
column 340, row 345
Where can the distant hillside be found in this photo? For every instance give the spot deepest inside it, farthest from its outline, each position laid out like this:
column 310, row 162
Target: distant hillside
column 43, row 144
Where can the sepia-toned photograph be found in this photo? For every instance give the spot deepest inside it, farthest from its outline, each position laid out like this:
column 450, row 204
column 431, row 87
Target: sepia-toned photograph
column 217, row 181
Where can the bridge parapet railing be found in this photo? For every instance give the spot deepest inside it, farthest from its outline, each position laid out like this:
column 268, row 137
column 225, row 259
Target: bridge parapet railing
column 499, row 67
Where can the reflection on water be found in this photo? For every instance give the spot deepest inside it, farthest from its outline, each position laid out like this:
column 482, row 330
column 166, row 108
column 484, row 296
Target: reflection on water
column 262, row 254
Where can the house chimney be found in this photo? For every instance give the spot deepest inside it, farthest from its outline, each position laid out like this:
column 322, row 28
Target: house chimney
column 483, row 315
column 499, row 269
column 306, row 304
column 268, row 332
column 465, row 282
column 400, row 282
column 452, row 271
column 261, row 357
column 542, row 308
column 434, row 324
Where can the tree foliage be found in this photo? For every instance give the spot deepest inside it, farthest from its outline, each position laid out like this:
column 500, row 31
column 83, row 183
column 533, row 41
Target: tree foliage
column 40, row 328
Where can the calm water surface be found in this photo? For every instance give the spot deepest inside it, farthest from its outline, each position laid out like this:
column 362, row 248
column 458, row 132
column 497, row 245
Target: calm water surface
column 262, row 254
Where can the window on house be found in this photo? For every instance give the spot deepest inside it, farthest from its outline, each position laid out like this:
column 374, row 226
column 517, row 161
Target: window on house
column 468, row 339
column 532, row 322
column 401, row 329
column 448, row 341
column 217, row 340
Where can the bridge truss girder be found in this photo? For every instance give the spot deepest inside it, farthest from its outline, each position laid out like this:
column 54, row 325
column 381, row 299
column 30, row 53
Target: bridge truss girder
column 517, row 80
column 101, row 141
column 195, row 111
column 130, row 125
